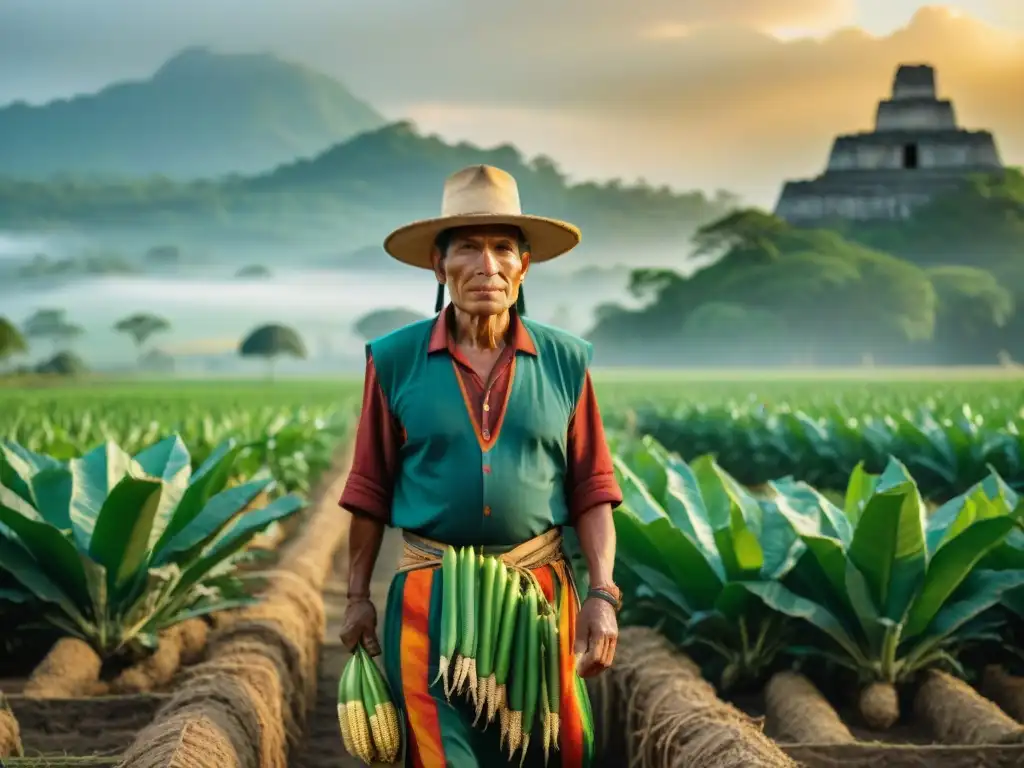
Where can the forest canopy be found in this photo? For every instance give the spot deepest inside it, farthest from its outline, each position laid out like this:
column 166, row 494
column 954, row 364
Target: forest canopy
column 945, row 287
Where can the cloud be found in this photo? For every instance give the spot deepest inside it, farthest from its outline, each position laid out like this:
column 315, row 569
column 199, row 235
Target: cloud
column 732, row 107
column 1009, row 12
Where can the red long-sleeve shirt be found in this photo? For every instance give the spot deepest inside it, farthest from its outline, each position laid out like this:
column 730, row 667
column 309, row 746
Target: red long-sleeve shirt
column 590, row 478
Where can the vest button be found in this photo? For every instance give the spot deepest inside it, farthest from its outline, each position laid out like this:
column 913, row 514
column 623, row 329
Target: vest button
column 487, row 470
column 487, row 511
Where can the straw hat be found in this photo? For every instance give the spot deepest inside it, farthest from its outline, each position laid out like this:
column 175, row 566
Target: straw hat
column 481, row 194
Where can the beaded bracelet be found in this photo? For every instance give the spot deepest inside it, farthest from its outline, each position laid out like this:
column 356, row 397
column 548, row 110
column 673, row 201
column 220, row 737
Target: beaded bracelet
column 608, row 597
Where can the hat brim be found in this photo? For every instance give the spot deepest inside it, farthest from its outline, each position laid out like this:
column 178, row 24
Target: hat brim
column 548, row 238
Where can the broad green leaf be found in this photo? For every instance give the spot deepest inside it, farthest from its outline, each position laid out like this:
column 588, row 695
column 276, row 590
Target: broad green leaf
column 27, row 571
column 217, row 513
column 979, row 592
column 661, row 546
column 780, row 599
column 51, row 495
column 120, row 540
column 952, row 563
column 684, row 505
column 888, row 545
column 13, row 595
column 169, row 461
column 828, row 551
column 209, row 479
column 779, row 542
column 957, row 514
column 18, row 465
column 859, row 489
column 635, row 495
column 236, row 536
column 737, row 543
column 831, row 520
column 45, row 543
column 865, row 612
column 643, row 461
column 93, row 478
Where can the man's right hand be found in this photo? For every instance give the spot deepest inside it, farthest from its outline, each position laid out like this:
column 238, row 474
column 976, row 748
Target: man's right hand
column 360, row 626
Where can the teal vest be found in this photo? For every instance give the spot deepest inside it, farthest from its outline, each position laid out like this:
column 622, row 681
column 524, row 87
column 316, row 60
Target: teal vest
column 449, row 488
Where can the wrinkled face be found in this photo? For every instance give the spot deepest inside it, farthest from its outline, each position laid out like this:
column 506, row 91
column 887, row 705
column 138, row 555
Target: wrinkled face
column 483, row 267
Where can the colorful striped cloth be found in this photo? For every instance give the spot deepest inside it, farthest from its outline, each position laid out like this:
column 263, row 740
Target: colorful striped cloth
column 439, row 733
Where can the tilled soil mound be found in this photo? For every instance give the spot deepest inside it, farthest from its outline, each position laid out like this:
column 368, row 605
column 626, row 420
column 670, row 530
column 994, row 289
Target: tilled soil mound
column 673, row 717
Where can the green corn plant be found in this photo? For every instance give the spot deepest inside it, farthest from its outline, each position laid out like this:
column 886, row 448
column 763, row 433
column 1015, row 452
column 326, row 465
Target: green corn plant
column 893, row 590
column 688, row 536
column 114, row 548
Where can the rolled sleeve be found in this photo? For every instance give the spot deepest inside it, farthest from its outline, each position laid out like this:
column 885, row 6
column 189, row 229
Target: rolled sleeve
column 590, row 479
column 369, row 487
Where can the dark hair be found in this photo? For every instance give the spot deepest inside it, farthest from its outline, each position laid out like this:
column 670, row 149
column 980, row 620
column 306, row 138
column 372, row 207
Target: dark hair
column 445, row 236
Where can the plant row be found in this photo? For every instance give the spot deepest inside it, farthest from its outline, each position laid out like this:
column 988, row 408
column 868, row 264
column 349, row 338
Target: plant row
column 296, row 443
column 873, row 589
column 947, row 451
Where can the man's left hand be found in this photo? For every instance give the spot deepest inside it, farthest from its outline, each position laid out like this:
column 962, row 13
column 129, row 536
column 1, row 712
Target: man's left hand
column 597, row 632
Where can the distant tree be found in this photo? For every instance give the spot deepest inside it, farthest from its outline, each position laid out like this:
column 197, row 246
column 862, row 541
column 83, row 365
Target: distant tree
column 164, row 254
column 52, row 324
column 973, row 307
column 836, row 299
column 382, row 321
column 63, row 364
column 271, row 342
column 743, row 231
column 141, row 326
column 253, row 270
column 12, row 342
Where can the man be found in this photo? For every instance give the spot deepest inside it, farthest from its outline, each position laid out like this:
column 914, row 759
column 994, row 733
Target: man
column 480, row 428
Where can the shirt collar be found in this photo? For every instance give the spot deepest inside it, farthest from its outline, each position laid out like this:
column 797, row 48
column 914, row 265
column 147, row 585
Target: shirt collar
column 441, row 338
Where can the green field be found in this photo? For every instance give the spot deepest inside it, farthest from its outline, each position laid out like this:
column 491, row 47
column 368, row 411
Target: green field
column 947, row 425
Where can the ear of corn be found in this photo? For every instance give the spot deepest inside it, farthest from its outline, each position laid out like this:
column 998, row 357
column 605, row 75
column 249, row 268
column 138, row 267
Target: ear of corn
column 503, row 655
column 344, row 684
column 366, row 712
column 553, row 676
column 545, row 720
column 498, row 591
column 499, row 643
column 518, row 672
column 531, row 688
column 383, row 717
column 449, row 616
column 358, row 723
column 477, row 575
column 485, row 631
column 467, row 616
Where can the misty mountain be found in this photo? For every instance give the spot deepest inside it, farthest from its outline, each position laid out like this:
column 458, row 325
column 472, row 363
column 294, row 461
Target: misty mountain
column 351, row 194
column 202, row 114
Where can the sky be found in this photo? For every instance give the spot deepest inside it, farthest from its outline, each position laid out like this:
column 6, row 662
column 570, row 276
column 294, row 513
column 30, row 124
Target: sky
column 697, row 94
